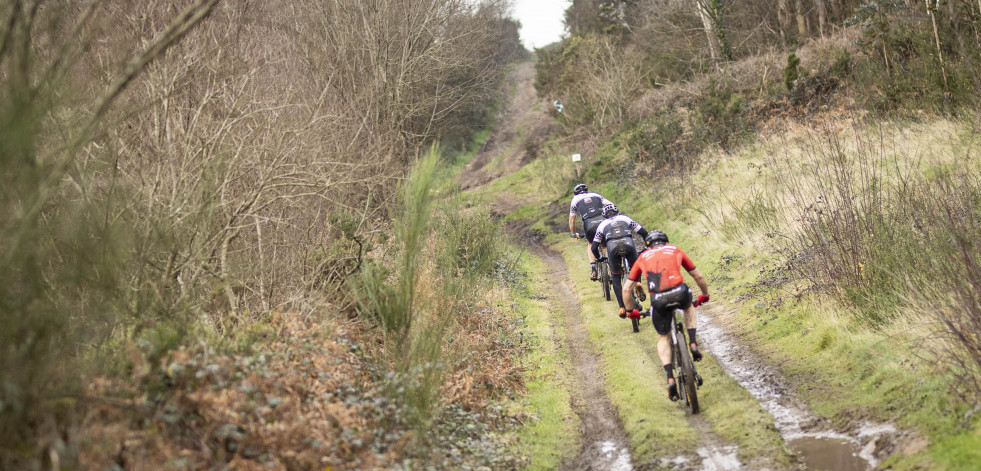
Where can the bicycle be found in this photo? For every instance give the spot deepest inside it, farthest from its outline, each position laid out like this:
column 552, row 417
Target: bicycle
column 605, row 279
column 602, row 270
column 686, row 375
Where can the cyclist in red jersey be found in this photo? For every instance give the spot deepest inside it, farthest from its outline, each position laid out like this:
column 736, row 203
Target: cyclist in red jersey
column 662, row 264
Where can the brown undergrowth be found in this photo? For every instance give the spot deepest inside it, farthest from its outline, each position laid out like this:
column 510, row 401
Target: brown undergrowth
column 316, row 396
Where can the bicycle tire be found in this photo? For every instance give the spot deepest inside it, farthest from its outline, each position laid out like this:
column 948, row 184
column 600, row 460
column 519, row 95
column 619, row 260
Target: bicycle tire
column 636, row 324
column 688, row 376
column 606, row 282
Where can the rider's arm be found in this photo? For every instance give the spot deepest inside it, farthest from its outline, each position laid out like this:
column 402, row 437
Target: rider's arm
column 700, row 280
column 638, row 228
column 628, row 299
column 572, row 224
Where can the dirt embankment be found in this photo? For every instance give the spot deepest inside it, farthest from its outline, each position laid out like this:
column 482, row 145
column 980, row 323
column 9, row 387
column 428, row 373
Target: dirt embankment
column 522, row 126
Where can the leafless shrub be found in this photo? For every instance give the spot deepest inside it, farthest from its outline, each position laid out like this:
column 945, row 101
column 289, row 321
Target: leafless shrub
column 169, row 179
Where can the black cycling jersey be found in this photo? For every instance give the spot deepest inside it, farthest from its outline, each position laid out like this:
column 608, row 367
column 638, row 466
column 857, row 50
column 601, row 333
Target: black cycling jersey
column 588, row 206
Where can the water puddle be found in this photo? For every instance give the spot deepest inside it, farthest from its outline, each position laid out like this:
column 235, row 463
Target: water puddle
column 820, row 448
column 822, row 453
column 617, row 459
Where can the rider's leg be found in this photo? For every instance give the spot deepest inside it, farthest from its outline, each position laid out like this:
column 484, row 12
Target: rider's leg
column 664, row 352
column 664, row 349
column 618, row 289
column 691, row 318
column 615, row 260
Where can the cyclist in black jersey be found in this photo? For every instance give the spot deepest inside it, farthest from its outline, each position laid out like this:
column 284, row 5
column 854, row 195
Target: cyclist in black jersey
column 616, row 231
column 589, row 207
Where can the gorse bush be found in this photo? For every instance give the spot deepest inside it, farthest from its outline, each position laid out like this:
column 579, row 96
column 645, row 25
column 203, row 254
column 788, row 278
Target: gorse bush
column 720, row 115
column 471, row 242
column 438, row 262
column 387, row 290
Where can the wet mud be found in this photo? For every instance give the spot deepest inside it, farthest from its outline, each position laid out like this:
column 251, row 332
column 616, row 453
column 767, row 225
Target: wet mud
column 818, row 446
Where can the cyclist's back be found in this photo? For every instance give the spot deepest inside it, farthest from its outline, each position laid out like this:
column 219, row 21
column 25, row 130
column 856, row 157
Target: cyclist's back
column 589, row 207
column 662, row 264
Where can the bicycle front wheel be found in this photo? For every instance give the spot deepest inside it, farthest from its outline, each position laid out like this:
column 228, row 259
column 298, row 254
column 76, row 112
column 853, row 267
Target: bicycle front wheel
column 688, row 381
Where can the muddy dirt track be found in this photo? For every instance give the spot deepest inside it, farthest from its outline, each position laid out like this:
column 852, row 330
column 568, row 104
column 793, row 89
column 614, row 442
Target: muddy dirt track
column 605, row 445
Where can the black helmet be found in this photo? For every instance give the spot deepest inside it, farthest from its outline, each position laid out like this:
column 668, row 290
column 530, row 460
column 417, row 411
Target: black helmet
column 579, row 189
column 610, row 210
column 655, row 237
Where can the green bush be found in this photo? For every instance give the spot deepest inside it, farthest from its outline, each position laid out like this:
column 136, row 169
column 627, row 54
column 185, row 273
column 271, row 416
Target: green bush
column 720, row 115
column 471, row 241
column 790, row 73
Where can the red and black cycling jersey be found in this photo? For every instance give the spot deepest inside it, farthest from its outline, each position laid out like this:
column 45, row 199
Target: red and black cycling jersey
column 662, row 265
column 588, row 206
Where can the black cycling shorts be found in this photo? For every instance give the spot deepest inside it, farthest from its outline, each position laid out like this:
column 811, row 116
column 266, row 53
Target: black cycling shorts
column 618, row 252
column 590, row 225
column 664, row 303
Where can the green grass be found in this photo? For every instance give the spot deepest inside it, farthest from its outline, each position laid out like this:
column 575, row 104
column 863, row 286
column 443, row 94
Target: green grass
column 551, row 435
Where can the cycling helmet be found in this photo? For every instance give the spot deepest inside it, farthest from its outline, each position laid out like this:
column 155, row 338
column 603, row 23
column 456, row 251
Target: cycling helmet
column 610, row 210
column 579, row 189
column 655, row 238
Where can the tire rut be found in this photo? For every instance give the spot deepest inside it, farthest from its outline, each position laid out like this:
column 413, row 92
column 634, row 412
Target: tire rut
column 604, row 442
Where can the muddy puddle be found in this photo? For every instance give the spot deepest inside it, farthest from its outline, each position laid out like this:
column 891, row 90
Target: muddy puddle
column 617, row 459
column 819, row 447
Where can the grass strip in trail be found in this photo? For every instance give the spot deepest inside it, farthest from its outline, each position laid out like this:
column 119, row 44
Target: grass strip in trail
column 658, row 428
column 550, row 435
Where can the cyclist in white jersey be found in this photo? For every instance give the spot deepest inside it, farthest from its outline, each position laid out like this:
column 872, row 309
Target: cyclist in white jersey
column 588, row 207
column 616, row 232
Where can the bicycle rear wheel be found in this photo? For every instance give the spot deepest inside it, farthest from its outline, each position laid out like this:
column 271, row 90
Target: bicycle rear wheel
column 605, row 281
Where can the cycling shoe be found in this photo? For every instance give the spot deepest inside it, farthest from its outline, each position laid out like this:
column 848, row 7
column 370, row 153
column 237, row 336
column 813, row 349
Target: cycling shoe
column 641, row 295
column 673, row 391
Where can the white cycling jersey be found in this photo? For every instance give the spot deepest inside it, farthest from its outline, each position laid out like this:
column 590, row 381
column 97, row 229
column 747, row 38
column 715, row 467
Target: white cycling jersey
column 616, row 227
